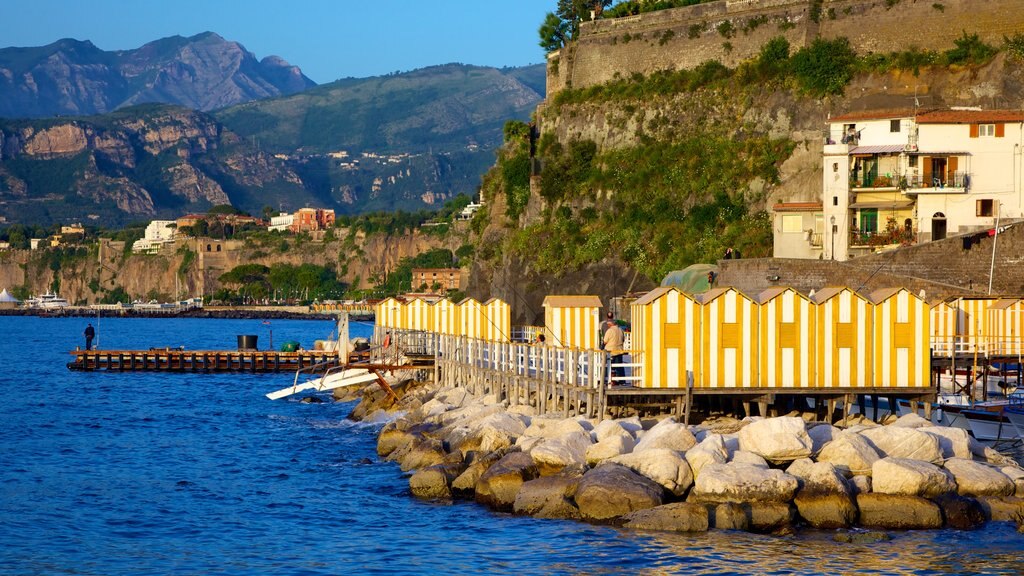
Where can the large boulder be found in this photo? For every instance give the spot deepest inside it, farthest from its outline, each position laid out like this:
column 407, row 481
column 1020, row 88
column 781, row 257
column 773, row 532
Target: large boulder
column 744, row 457
column 770, row 516
column 422, row 453
column 821, row 434
column 978, row 479
column 731, row 516
column 467, row 415
column 609, row 447
column 667, row 434
column 612, row 490
column 907, row 443
column 553, row 427
column 777, row 439
column 393, row 436
column 549, row 497
column 675, row 517
column 897, row 512
column 666, row 467
column 609, row 428
column 455, row 396
column 433, row 482
column 1002, row 508
column 850, row 453
column 498, row 486
column 959, row 512
column 905, row 477
column 568, row 451
column 860, row 484
column 737, row 482
column 801, row 468
column 478, row 463
column 1015, row 474
column 711, row 450
column 953, row 442
column 912, row 421
column 826, row 499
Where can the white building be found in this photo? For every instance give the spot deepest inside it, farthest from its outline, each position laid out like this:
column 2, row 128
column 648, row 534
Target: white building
column 896, row 177
column 281, row 222
column 158, row 233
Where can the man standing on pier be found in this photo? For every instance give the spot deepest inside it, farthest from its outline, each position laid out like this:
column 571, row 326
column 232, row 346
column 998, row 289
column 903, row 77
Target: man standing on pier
column 613, row 343
column 90, row 333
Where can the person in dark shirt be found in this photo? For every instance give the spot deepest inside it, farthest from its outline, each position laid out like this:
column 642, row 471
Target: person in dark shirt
column 90, row 333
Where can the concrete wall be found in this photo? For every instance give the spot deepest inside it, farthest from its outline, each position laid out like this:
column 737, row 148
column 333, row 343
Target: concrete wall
column 684, row 37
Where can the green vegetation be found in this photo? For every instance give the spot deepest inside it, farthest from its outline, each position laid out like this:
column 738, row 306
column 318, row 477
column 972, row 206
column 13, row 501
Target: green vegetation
column 634, row 7
column 563, row 25
column 400, row 279
column 254, row 282
column 968, row 50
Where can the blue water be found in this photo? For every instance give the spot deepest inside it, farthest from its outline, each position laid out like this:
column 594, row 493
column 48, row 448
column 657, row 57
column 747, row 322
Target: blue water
column 148, row 473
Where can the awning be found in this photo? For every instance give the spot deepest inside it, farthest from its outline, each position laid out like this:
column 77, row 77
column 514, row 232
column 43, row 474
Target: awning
column 886, row 205
column 939, row 153
column 882, row 149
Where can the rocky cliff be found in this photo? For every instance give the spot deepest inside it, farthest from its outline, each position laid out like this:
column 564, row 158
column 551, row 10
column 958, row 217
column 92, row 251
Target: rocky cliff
column 203, row 72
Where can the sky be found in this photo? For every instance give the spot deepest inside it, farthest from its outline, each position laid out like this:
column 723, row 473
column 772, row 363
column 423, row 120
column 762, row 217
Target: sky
column 327, row 39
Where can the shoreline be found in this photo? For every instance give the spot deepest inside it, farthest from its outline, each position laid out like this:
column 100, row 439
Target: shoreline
column 764, row 475
column 227, row 314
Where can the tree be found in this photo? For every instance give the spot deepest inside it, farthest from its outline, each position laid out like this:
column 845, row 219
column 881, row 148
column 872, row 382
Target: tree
column 553, row 33
column 563, row 24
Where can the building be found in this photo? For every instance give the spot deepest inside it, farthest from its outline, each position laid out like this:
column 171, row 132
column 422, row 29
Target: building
column 897, row 177
column 442, row 278
column 281, row 222
column 312, row 219
column 73, row 229
column 158, row 233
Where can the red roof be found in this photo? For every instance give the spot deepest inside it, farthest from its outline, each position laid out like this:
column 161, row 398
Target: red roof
column 970, row 116
column 797, row 207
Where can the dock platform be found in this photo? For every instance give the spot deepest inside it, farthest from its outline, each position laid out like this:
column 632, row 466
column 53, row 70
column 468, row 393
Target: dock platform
column 179, row 360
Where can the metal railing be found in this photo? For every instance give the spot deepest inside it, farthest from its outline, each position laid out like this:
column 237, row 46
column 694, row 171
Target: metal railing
column 939, row 181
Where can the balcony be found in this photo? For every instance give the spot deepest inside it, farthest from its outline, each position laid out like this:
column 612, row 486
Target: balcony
column 949, row 183
column 893, row 234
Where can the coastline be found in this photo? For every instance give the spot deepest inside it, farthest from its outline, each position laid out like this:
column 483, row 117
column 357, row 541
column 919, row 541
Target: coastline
column 766, row 475
column 246, row 313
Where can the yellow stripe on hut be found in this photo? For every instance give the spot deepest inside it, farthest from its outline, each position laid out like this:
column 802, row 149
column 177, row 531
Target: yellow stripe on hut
column 665, row 338
column 729, row 339
column 787, row 329
column 843, row 320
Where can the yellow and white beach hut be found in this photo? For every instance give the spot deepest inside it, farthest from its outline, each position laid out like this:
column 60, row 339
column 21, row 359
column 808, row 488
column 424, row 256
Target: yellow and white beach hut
column 843, row 321
column 573, row 321
column 787, row 336
column 665, row 338
column 1006, row 327
column 388, row 313
column 946, row 317
column 729, row 357
column 446, row 317
column 902, row 354
column 418, row 315
column 497, row 320
column 973, row 326
column 471, row 318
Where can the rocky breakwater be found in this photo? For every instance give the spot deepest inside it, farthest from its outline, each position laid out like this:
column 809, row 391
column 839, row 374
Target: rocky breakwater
column 760, row 474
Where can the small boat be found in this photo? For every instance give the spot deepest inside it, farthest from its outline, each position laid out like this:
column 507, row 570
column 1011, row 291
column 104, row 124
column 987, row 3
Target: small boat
column 990, row 426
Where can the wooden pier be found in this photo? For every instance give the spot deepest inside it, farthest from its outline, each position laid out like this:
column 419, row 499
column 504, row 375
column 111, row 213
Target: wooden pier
column 179, row 360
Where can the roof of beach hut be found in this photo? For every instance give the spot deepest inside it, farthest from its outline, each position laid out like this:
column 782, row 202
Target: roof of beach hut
column 714, row 293
column 883, row 294
column 829, row 292
column 6, row 296
column 1001, row 304
column 776, row 291
column 653, row 295
column 572, row 301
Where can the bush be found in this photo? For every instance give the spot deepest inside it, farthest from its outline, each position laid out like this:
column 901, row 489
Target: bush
column 969, row 49
column 825, row 67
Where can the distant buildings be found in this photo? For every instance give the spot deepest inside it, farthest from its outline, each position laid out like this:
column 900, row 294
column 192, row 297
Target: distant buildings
column 436, row 279
column 312, row 219
column 73, row 229
column 158, row 233
column 281, row 222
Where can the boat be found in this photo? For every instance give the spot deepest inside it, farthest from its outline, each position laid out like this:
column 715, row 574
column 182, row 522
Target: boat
column 48, row 301
column 988, row 426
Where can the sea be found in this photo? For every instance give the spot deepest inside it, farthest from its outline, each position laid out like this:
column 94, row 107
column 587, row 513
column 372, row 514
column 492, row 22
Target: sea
column 153, row 473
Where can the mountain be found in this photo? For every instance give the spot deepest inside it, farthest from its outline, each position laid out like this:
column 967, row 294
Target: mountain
column 403, row 141
column 203, row 72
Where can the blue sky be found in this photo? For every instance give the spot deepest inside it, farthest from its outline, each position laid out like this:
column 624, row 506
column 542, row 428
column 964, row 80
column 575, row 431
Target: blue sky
column 327, row 39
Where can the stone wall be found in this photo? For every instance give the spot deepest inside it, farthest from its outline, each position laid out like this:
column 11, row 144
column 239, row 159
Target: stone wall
column 733, row 30
column 946, row 268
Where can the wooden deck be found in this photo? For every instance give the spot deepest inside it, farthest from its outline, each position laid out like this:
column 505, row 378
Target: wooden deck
column 178, row 360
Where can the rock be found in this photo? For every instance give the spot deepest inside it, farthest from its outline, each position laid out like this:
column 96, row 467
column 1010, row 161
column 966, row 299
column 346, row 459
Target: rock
column 528, row 443
column 710, row 451
column 467, row 415
column 666, row 467
column 977, row 479
column 860, row 484
column 675, row 517
column 904, row 443
column 850, row 453
column 777, row 439
column 735, row 482
column 821, row 434
column 826, row 500
column 499, row 431
column 455, row 396
column 1002, row 508
column 553, row 427
column 393, row 437
column 523, row 410
column 609, row 447
column 895, row 512
column 432, row 482
column 430, row 409
column 609, row 428
column 731, row 516
column 770, row 516
column 912, row 421
column 549, row 497
column 800, row 468
column 667, row 434
column 869, row 537
column 478, row 464
column 960, row 513
column 498, row 486
column 1016, row 475
column 422, row 453
column 567, row 451
column 953, row 442
column 990, row 455
column 631, row 425
column 723, row 425
column 905, row 477
column 612, row 490
column 744, row 457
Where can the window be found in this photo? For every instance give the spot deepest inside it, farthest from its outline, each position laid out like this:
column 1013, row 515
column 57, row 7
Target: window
column 987, row 130
column 985, row 207
column 835, row 200
column 894, row 125
column 792, row 223
column 869, row 220
column 912, row 161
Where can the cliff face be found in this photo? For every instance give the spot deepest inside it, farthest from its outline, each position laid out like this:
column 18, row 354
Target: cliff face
column 203, row 72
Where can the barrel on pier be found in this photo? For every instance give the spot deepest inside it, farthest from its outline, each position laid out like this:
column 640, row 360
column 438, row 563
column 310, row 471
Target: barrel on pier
column 843, row 320
column 573, row 321
column 665, row 338
column 787, row 336
column 902, row 356
column 729, row 337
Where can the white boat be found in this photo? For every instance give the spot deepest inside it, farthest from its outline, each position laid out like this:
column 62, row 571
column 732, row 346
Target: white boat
column 46, row 301
column 990, row 426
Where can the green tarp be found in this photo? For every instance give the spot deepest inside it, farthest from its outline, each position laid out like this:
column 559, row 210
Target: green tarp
column 692, row 279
